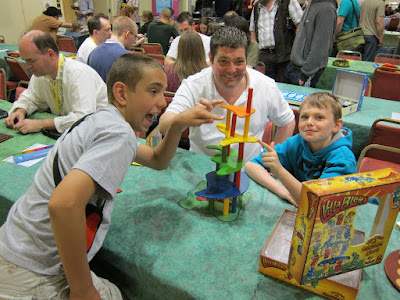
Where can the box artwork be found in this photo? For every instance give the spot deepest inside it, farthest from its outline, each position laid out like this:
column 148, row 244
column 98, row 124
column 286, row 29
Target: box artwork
column 326, row 252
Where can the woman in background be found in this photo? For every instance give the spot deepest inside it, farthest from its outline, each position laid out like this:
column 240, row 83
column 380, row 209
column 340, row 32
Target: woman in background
column 190, row 60
column 147, row 18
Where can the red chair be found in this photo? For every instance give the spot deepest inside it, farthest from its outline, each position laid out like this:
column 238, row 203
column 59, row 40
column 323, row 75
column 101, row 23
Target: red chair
column 3, row 84
column 385, row 83
column 349, row 54
column 138, row 50
column 366, row 163
column 66, row 43
column 368, row 88
column 392, row 26
column 22, row 86
column 158, row 57
column 153, row 48
column 383, row 58
column 18, row 68
column 386, row 132
column 270, row 128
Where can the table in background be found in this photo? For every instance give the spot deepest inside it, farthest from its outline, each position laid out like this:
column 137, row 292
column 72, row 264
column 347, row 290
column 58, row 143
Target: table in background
column 328, row 77
column 391, row 38
column 20, row 142
column 156, row 249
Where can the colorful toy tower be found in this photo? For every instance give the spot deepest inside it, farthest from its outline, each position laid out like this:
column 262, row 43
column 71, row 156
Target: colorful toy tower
column 227, row 183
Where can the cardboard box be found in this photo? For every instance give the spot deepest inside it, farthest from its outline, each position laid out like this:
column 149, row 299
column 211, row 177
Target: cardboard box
column 349, row 86
column 324, row 224
column 275, row 256
column 324, row 253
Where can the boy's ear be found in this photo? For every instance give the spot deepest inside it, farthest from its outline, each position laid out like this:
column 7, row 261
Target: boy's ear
column 338, row 125
column 119, row 91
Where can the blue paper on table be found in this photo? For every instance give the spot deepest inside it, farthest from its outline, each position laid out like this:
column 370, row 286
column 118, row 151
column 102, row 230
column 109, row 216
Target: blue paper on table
column 293, row 96
column 32, row 155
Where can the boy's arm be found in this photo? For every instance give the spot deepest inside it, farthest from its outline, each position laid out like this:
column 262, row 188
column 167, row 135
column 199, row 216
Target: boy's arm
column 260, row 175
column 67, row 215
column 159, row 157
column 271, row 161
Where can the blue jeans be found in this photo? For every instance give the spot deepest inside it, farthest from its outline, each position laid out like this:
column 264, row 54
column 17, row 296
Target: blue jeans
column 292, row 74
column 371, row 47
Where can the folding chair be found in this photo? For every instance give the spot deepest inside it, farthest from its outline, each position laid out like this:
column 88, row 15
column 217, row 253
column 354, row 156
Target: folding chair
column 66, row 43
column 349, row 54
column 22, row 86
column 260, row 67
column 392, row 26
column 18, row 68
column 153, row 48
column 385, row 83
column 270, row 128
column 158, row 57
column 386, row 132
column 365, row 163
column 138, row 50
column 393, row 59
column 368, row 88
column 3, row 84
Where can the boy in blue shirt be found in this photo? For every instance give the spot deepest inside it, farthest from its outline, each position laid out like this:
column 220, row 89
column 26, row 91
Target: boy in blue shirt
column 322, row 149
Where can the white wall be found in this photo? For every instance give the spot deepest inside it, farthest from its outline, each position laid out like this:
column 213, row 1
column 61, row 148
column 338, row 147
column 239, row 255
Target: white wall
column 16, row 17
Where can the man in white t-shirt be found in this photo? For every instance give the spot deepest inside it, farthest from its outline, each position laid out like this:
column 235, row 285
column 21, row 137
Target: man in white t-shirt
column 99, row 30
column 227, row 81
column 185, row 23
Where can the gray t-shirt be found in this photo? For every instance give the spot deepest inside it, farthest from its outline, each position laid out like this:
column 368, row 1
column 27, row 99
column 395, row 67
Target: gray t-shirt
column 103, row 146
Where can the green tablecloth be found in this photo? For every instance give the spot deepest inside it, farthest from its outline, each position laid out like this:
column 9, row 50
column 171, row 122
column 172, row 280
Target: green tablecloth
column 155, row 249
column 361, row 121
column 328, row 77
column 391, row 38
column 20, row 142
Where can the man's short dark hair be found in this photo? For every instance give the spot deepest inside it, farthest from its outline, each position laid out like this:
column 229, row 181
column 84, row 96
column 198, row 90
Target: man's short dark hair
column 129, row 69
column 95, row 22
column 52, row 11
column 227, row 36
column 185, row 16
column 44, row 42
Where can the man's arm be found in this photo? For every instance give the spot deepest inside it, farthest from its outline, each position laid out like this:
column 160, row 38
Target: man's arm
column 159, row 157
column 381, row 27
column 66, row 25
column 339, row 25
column 282, row 133
column 253, row 35
column 67, row 216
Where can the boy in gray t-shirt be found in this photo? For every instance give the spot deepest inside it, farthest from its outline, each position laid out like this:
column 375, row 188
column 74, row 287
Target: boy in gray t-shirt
column 44, row 237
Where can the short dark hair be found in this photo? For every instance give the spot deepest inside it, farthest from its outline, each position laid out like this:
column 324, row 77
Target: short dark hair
column 95, row 22
column 44, row 41
column 129, row 69
column 185, row 16
column 227, row 36
column 52, row 11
